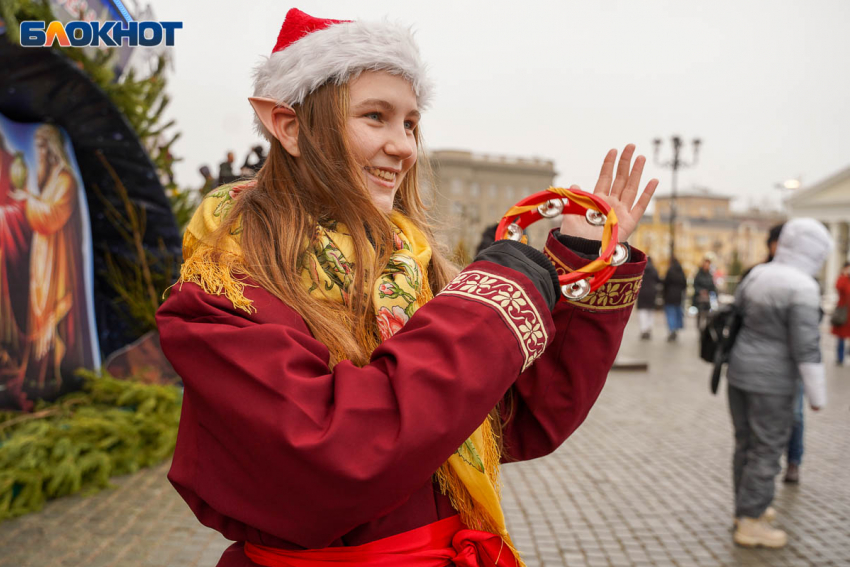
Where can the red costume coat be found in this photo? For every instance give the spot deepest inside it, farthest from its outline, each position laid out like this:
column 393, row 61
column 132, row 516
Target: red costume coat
column 842, row 285
column 276, row 449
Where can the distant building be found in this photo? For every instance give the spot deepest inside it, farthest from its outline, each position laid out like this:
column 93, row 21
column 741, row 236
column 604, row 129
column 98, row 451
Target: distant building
column 829, row 202
column 475, row 190
column 705, row 227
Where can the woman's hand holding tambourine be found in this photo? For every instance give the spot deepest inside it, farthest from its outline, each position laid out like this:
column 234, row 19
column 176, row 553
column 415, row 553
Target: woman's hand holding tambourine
column 609, row 215
column 619, row 192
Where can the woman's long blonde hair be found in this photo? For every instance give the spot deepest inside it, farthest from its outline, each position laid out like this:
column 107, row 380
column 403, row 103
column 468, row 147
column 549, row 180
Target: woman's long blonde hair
column 292, row 195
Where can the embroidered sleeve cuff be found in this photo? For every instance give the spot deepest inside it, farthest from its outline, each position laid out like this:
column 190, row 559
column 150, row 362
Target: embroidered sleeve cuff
column 528, row 261
column 514, row 298
column 569, row 253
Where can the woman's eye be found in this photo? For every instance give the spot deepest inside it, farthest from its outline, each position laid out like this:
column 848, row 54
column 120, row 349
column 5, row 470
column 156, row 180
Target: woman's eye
column 374, row 115
column 409, row 124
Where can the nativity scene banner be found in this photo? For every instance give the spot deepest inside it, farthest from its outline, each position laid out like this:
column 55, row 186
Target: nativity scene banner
column 47, row 328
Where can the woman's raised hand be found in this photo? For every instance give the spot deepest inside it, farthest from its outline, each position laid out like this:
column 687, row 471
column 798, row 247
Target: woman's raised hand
column 619, row 192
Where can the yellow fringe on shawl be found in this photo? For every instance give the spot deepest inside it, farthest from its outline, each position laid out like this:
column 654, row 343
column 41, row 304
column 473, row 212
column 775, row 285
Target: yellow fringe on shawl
column 454, row 481
column 217, row 270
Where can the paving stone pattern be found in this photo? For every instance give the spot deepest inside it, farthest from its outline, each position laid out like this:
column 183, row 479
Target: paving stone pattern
column 646, row 481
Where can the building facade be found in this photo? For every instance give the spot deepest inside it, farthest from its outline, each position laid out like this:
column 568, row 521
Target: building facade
column 705, row 227
column 829, row 202
column 472, row 191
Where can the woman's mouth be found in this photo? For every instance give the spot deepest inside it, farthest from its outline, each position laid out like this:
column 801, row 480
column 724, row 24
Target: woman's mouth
column 381, row 176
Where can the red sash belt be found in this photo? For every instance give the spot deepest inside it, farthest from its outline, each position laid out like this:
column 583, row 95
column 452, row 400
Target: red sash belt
column 443, row 543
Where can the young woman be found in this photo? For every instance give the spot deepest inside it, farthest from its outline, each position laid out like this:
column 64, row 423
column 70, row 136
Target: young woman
column 349, row 394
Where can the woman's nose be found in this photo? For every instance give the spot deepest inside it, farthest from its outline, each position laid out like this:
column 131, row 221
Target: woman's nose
column 399, row 144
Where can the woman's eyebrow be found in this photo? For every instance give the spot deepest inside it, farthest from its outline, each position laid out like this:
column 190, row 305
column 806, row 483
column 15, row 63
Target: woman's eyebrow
column 384, row 105
column 376, row 102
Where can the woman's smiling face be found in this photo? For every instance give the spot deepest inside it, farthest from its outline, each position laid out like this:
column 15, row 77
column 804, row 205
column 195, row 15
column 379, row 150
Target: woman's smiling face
column 383, row 115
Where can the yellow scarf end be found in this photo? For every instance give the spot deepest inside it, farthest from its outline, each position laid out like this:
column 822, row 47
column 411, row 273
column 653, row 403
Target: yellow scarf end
column 216, row 277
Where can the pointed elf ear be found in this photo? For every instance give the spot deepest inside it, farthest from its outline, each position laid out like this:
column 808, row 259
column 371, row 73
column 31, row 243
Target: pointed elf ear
column 264, row 108
column 286, row 130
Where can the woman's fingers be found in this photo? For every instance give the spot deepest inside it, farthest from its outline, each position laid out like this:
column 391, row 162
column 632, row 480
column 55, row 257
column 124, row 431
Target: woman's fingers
column 633, row 184
column 643, row 202
column 623, row 170
column 606, row 176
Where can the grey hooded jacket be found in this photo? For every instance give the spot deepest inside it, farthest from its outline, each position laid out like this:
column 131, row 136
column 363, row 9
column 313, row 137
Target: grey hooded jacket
column 779, row 342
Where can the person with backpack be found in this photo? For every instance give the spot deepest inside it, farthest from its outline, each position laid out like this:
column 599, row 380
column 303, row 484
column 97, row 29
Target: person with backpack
column 778, row 345
column 703, row 288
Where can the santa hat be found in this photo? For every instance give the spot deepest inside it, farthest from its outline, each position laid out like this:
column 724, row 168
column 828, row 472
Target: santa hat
column 311, row 51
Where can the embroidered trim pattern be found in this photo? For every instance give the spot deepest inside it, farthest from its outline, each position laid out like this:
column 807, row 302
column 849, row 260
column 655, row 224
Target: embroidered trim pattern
column 511, row 302
column 616, row 293
column 560, row 267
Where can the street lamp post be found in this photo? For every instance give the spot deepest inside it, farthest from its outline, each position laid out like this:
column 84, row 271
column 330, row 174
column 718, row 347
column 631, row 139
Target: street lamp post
column 674, row 164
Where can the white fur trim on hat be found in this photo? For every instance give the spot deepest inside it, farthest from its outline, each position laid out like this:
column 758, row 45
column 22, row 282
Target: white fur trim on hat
column 340, row 52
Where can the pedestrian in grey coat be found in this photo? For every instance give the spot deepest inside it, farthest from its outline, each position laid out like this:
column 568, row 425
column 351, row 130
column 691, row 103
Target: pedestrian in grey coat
column 778, row 345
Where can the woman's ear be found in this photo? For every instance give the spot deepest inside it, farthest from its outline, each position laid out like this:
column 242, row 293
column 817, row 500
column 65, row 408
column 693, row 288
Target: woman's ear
column 280, row 120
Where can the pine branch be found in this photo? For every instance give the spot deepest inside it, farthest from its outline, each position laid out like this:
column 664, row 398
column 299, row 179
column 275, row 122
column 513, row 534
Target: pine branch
column 75, row 444
column 137, row 231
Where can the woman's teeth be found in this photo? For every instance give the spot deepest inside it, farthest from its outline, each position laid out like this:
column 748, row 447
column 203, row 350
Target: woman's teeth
column 385, row 175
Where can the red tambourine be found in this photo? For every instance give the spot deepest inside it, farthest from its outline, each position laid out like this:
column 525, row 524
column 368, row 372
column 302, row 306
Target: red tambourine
column 555, row 201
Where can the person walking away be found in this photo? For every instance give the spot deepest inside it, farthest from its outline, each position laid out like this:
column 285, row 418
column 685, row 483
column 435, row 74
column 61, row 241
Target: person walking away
column 703, row 288
column 675, row 284
column 794, row 455
column 777, row 346
column 842, row 331
column 646, row 299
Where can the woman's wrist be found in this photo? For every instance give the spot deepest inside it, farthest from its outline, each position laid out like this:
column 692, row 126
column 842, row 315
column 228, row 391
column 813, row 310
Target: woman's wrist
column 576, row 225
column 587, row 248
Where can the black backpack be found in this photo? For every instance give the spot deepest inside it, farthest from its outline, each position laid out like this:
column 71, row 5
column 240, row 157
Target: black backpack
column 717, row 339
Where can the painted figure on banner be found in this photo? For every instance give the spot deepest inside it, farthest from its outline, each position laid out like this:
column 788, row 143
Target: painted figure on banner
column 51, row 332
column 15, row 236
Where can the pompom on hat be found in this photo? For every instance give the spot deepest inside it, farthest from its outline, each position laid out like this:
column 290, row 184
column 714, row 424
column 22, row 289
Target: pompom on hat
column 312, row 51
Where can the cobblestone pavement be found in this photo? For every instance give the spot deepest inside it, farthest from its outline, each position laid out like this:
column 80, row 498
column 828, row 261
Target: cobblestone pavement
column 645, row 481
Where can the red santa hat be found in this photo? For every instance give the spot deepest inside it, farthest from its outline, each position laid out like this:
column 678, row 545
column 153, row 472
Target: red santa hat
column 311, row 51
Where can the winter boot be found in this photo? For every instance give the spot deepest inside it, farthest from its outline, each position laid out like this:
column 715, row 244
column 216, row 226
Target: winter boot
column 752, row 532
column 769, row 515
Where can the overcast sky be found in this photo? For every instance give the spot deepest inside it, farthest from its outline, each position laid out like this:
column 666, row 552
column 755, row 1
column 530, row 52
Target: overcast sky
column 764, row 84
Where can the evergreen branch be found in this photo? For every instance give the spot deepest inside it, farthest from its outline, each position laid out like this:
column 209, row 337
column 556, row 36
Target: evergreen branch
column 112, row 427
column 133, row 219
column 40, row 414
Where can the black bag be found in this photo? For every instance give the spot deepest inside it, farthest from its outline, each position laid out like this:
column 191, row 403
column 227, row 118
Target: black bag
column 717, row 339
column 839, row 316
